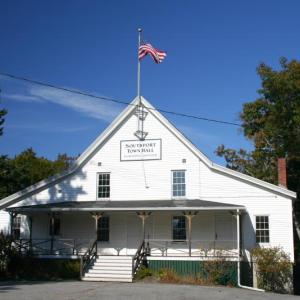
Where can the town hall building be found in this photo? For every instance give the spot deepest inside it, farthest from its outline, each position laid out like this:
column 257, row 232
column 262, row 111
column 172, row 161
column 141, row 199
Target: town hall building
column 143, row 192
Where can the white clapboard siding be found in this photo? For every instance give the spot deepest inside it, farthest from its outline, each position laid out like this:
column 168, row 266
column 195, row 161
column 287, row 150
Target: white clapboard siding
column 4, row 222
column 128, row 178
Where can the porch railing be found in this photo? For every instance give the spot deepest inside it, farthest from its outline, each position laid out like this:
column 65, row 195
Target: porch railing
column 138, row 257
column 202, row 248
column 52, row 246
column 88, row 257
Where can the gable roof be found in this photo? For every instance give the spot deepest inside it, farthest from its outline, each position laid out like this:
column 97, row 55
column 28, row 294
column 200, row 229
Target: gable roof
column 110, row 130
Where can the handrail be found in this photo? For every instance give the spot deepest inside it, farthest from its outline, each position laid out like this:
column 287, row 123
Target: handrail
column 43, row 246
column 87, row 257
column 138, row 257
column 203, row 247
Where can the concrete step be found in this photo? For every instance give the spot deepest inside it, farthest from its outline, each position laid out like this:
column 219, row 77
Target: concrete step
column 109, row 267
column 107, row 279
column 119, row 261
column 88, row 275
column 112, row 264
column 101, row 271
column 114, row 257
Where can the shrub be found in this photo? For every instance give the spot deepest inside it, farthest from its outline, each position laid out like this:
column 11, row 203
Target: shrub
column 274, row 269
column 43, row 269
column 219, row 272
column 169, row 276
column 7, row 254
column 143, row 272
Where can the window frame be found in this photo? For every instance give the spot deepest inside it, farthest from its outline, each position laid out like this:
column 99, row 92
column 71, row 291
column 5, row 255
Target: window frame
column 172, row 229
column 260, row 230
column 103, row 229
column 97, row 188
column 172, row 184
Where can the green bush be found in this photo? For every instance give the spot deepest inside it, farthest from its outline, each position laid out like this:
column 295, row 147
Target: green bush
column 274, row 269
column 13, row 265
column 169, row 276
column 7, row 254
column 143, row 272
column 43, row 269
column 220, row 272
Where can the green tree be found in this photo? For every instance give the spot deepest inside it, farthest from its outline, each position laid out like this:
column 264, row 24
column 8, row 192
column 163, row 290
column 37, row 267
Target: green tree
column 3, row 112
column 272, row 124
column 27, row 168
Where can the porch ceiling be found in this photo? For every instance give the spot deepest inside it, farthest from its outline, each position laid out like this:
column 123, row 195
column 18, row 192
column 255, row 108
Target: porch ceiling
column 142, row 205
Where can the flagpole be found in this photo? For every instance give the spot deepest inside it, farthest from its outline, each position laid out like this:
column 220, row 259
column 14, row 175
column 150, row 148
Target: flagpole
column 139, row 69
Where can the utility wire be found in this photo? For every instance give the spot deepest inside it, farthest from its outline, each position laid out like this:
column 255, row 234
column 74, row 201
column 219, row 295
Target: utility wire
column 28, row 80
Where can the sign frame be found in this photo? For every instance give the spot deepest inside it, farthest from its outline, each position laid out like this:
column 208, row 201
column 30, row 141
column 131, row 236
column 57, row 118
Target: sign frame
column 145, row 159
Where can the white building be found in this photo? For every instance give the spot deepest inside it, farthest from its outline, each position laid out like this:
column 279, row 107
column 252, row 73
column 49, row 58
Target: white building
column 160, row 196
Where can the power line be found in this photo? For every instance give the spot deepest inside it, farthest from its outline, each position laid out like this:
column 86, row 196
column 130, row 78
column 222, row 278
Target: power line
column 31, row 81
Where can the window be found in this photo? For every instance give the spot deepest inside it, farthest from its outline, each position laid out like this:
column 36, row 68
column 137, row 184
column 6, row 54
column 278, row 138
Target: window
column 179, row 229
column 178, row 183
column 262, row 229
column 103, row 185
column 103, row 229
column 54, row 226
column 16, row 227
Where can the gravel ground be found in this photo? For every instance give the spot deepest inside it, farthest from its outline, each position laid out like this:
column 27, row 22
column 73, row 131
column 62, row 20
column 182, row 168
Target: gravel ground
column 69, row 290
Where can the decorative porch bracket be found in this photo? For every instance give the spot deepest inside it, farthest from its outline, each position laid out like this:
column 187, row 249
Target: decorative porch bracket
column 190, row 215
column 96, row 216
column 144, row 215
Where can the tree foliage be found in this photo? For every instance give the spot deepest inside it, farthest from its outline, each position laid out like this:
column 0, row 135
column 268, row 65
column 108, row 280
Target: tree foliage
column 26, row 169
column 3, row 112
column 272, row 123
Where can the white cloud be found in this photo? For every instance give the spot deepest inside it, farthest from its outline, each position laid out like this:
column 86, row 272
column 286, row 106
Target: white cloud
column 23, row 98
column 94, row 108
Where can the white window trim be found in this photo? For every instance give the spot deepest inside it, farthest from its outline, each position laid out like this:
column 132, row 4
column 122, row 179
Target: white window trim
column 97, row 186
column 269, row 218
column 185, row 177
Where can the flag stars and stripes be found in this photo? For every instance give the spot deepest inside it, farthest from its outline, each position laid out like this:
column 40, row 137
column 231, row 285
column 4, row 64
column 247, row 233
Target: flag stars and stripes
column 157, row 55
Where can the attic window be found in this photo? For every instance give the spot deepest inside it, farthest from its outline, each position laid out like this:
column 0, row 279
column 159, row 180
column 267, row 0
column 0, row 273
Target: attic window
column 103, row 185
column 178, row 183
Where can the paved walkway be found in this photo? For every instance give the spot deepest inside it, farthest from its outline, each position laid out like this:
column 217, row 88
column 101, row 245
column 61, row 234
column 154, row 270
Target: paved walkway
column 71, row 290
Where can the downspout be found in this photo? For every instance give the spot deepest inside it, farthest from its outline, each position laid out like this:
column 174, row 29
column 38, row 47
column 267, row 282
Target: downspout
column 239, row 256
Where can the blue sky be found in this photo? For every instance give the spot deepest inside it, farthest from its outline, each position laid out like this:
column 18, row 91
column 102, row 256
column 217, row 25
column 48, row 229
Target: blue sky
column 213, row 50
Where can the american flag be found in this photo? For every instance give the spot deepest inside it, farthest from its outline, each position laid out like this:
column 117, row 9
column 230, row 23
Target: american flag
column 157, row 55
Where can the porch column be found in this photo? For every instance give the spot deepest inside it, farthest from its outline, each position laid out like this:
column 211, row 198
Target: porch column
column 30, row 232
column 190, row 215
column 97, row 216
column 143, row 215
column 238, row 235
column 12, row 218
column 51, row 232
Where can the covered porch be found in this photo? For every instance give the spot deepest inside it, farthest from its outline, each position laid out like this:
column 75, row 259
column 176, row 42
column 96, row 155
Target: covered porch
column 166, row 228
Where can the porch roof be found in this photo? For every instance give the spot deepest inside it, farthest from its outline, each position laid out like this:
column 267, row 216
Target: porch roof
column 140, row 205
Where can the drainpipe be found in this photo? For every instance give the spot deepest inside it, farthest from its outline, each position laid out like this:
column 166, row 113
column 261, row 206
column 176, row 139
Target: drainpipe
column 239, row 256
